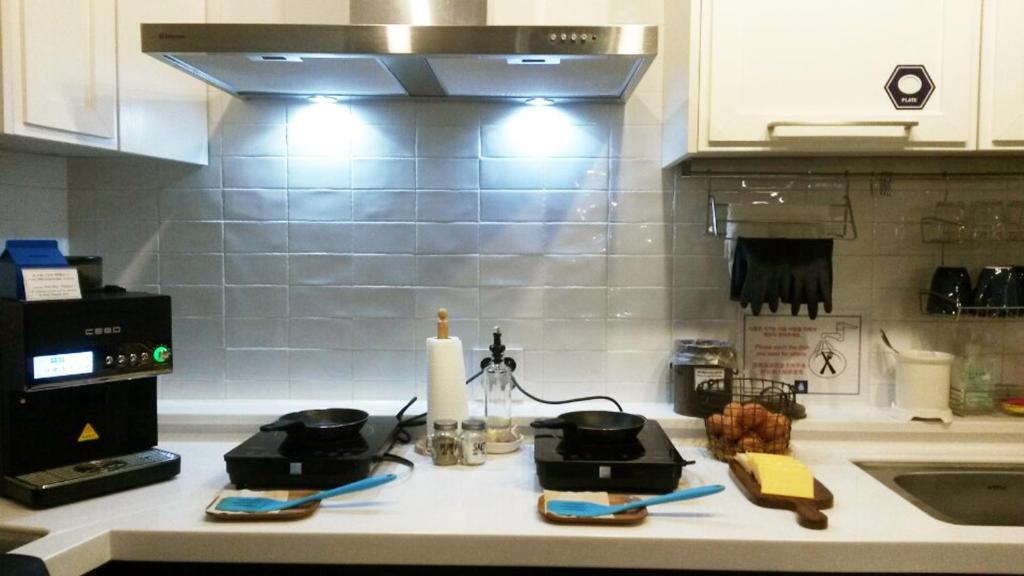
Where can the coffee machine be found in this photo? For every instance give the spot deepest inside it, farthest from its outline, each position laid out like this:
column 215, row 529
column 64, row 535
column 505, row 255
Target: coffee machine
column 78, row 385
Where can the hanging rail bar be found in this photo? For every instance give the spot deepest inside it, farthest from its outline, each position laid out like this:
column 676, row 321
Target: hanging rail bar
column 854, row 175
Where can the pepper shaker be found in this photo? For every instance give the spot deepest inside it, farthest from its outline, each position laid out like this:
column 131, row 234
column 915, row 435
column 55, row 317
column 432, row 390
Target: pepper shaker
column 444, row 442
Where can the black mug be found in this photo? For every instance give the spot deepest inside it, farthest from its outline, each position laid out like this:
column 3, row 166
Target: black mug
column 999, row 287
column 950, row 289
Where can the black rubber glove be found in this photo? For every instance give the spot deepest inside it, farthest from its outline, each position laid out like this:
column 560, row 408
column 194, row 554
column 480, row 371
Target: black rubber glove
column 739, row 268
column 763, row 273
column 810, row 275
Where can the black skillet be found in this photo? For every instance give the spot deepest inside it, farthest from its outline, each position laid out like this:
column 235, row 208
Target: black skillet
column 597, row 426
column 318, row 425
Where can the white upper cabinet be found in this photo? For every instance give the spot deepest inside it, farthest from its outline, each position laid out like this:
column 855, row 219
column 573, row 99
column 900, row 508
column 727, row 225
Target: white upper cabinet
column 1001, row 111
column 832, row 77
column 828, row 76
column 162, row 111
column 60, row 71
column 75, row 80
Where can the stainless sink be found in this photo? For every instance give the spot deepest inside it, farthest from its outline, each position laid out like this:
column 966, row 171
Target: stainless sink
column 973, row 494
column 11, row 538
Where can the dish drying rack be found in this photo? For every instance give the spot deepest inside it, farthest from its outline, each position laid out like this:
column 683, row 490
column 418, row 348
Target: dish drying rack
column 779, row 206
column 965, row 311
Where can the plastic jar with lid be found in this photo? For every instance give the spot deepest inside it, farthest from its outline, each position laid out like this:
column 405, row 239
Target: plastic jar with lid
column 695, row 361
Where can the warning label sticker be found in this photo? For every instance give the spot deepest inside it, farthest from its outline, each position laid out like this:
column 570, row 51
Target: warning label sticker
column 817, row 356
column 88, row 433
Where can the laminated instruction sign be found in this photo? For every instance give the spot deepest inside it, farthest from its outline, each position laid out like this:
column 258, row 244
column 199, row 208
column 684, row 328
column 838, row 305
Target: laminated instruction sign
column 818, row 356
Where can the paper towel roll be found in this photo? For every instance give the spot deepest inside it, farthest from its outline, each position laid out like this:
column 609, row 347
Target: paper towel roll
column 446, row 381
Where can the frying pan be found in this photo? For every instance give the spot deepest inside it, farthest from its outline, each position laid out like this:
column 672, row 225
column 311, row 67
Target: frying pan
column 598, row 426
column 326, row 424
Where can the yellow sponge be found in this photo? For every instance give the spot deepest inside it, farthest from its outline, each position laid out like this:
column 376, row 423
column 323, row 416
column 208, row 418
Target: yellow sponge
column 779, row 475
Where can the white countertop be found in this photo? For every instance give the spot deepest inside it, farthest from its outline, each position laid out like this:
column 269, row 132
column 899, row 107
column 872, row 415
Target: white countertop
column 484, row 516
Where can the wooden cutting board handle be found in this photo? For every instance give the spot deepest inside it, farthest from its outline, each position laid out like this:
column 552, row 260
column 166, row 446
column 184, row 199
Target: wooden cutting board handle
column 808, row 515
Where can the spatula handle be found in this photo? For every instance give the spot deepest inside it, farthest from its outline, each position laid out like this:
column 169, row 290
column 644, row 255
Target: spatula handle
column 688, row 494
column 363, row 484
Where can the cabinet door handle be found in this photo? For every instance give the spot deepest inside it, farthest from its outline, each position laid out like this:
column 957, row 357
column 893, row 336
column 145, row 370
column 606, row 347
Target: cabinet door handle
column 905, row 125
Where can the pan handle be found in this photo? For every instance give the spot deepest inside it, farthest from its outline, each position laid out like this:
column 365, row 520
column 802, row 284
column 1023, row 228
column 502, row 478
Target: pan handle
column 285, row 425
column 557, row 423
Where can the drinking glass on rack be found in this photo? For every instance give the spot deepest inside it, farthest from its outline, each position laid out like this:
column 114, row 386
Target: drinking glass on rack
column 987, row 220
column 951, row 217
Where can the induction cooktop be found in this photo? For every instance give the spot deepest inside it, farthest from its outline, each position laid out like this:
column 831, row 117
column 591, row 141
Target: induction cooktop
column 651, row 464
column 273, row 460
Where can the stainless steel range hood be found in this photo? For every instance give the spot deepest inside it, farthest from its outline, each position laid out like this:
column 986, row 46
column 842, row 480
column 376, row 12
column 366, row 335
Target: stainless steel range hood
column 474, row 62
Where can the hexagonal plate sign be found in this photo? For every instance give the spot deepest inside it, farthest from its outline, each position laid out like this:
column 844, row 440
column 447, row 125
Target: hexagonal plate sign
column 909, row 87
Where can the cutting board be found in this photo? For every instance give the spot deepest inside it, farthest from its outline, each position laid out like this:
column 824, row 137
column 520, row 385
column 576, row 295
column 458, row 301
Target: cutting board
column 629, row 517
column 808, row 510
column 295, row 513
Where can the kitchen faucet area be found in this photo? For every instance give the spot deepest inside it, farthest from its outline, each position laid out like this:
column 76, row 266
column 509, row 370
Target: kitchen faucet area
column 517, row 286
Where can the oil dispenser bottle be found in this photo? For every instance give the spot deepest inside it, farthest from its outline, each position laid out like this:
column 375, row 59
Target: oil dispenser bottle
column 498, row 385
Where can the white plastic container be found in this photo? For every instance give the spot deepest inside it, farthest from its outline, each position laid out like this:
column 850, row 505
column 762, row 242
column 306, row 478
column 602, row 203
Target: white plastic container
column 922, row 384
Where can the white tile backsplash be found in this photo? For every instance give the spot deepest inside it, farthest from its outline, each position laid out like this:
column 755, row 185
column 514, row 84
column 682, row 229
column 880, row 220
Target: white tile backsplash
column 191, row 237
column 448, row 174
column 255, row 172
column 256, row 301
column 331, row 237
column 255, row 237
column 447, row 206
column 447, row 141
column 383, row 173
column 383, row 206
column 576, row 303
column 320, row 205
column 319, row 172
column 385, row 269
column 449, row 238
column 253, row 140
column 183, row 205
column 384, row 238
column 255, row 205
column 321, row 269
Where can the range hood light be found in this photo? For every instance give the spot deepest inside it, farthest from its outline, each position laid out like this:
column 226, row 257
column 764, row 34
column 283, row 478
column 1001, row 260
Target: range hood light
column 322, row 99
column 542, row 60
column 540, row 101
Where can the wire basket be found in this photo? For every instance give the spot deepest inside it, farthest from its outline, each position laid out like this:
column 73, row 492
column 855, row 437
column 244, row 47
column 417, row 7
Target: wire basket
column 752, row 415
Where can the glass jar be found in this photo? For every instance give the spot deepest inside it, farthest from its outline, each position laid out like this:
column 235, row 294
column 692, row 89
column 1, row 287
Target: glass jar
column 474, row 442
column 444, row 442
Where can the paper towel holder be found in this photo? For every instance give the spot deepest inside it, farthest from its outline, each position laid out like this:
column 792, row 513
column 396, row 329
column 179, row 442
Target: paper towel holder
column 442, row 324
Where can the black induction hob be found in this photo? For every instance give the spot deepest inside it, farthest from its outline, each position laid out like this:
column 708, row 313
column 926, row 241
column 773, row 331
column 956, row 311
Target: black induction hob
column 271, row 460
column 651, row 464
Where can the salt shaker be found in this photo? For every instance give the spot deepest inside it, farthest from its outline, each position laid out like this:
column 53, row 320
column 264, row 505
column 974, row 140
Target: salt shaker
column 444, row 442
column 474, row 442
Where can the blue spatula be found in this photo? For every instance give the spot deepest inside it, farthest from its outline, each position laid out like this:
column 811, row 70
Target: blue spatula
column 258, row 504
column 590, row 509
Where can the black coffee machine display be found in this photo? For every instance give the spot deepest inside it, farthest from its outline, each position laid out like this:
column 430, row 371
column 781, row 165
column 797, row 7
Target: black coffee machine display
column 78, row 384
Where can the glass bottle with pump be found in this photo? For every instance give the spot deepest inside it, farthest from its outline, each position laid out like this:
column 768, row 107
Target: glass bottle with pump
column 498, row 385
